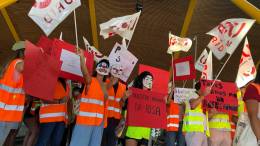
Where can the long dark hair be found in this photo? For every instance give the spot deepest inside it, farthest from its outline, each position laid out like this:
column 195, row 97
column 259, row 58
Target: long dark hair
column 257, row 79
column 138, row 82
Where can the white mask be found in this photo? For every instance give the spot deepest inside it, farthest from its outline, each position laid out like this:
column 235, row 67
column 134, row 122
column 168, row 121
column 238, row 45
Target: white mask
column 116, row 70
column 102, row 68
column 148, row 82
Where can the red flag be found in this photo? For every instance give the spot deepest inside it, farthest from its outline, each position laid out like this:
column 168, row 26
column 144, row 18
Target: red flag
column 70, row 68
column 40, row 72
column 184, row 68
column 46, row 44
column 160, row 78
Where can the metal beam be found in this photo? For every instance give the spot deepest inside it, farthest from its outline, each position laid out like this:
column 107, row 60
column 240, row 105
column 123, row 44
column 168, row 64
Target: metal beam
column 5, row 3
column 93, row 21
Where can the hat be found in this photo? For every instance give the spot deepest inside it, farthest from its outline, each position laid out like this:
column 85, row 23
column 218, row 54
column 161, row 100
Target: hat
column 18, row 45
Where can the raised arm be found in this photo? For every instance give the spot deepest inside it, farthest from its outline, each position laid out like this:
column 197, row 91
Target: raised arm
column 84, row 70
column 195, row 102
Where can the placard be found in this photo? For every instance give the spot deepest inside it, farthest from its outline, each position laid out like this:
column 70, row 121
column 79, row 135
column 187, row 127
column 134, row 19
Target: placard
column 184, row 94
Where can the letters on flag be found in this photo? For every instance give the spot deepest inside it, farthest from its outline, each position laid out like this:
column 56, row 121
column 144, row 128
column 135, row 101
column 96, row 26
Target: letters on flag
column 70, row 68
column 40, row 72
column 48, row 14
column 91, row 49
column 207, row 72
column 199, row 65
column 184, row 69
column 123, row 26
column 218, row 49
column 178, row 44
column 184, row 94
column 247, row 69
column 120, row 55
column 230, row 33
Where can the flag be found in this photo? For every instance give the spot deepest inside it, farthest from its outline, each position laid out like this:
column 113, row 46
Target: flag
column 46, row 44
column 121, row 56
column 178, row 44
column 207, row 72
column 48, row 14
column 247, row 69
column 217, row 48
column 201, row 60
column 40, row 72
column 5, row 3
column 183, row 69
column 123, row 26
column 91, row 49
column 230, row 33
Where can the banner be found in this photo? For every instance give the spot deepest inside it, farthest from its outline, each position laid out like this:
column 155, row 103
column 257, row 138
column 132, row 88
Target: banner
column 223, row 96
column 160, row 78
column 123, row 26
column 121, row 56
column 230, row 32
column 48, row 14
column 46, row 44
column 40, row 72
column 91, row 49
column 199, row 65
column 146, row 109
column 184, row 94
column 207, row 72
column 184, row 68
column 178, row 44
column 247, row 69
column 70, row 68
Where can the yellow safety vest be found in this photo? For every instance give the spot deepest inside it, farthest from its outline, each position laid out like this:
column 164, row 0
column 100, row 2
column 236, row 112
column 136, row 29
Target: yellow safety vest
column 220, row 121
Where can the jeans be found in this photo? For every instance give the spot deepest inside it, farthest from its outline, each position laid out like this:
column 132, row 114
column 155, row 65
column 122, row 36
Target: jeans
column 173, row 137
column 50, row 133
column 109, row 137
column 84, row 135
column 5, row 128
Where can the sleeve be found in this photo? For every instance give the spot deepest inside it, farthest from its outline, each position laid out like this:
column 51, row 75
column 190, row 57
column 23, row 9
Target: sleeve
column 251, row 93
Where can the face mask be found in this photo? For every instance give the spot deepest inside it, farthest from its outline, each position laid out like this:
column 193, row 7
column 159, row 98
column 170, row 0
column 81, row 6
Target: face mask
column 102, row 68
column 148, row 82
column 116, row 71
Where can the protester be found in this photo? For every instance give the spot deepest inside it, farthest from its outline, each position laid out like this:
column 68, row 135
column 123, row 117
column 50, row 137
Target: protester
column 12, row 97
column 116, row 97
column 252, row 100
column 90, row 120
column 195, row 121
column 53, row 116
column 140, row 135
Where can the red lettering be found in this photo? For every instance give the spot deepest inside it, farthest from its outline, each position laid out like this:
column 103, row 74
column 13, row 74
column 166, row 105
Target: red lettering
column 48, row 19
column 61, row 7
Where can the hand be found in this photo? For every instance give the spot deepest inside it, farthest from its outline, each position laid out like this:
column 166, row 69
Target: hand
column 213, row 111
column 80, row 52
column 205, row 92
column 128, row 93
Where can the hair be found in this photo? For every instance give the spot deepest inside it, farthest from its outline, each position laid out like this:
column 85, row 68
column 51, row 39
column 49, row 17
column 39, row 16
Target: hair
column 63, row 82
column 257, row 79
column 198, row 86
column 138, row 82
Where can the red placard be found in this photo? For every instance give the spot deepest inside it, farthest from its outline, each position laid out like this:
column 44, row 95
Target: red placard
column 160, row 78
column 46, row 44
column 184, row 68
column 146, row 109
column 40, row 72
column 223, row 96
column 59, row 46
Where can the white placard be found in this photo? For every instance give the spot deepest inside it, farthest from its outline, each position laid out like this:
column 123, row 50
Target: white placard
column 184, row 94
column 182, row 68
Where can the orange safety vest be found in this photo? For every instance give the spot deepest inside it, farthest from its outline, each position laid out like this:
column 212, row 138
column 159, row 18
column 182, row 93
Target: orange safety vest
column 12, row 97
column 91, row 108
column 55, row 112
column 114, row 108
column 173, row 117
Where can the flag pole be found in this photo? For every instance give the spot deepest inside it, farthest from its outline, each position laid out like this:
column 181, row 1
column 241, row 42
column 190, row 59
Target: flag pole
column 195, row 56
column 133, row 31
column 76, row 29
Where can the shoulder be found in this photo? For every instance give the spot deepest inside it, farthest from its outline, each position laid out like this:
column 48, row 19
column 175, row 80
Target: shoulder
column 251, row 93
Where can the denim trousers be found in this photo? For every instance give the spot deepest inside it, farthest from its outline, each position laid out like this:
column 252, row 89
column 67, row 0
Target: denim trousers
column 175, row 138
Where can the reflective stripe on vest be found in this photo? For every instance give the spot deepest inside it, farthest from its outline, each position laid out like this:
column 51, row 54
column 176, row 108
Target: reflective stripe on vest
column 113, row 98
column 51, row 115
column 220, row 121
column 11, row 89
column 172, row 125
column 13, row 107
column 92, row 101
column 114, row 109
column 89, row 114
column 173, row 117
column 2, row 105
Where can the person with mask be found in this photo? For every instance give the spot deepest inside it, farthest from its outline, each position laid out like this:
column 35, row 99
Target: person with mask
column 140, row 135
column 91, row 117
column 12, row 96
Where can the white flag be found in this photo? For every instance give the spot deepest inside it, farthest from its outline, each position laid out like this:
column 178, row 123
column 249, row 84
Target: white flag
column 199, row 65
column 247, row 69
column 207, row 72
column 91, row 49
column 123, row 26
column 120, row 55
column 230, row 33
column 178, row 44
column 48, row 14
column 217, row 48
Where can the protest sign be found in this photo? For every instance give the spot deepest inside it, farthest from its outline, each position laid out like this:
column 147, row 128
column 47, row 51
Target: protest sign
column 48, row 14
column 146, row 109
column 184, row 94
column 207, row 72
column 201, row 61
column 121, row 56
column 178, row 44
column 46, row 44
column 40, row 72
column 184, row 68
column 223, row 96
column 70, row 68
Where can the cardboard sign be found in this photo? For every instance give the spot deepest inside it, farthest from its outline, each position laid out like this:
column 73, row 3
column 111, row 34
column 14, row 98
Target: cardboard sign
column 223, row 96
column 178, row 44
column 201, row 61
column 160, row 78
column 146, row 109
column 46, row 44
column 120, row 55
column 70, row 68
column 184, row 68
column 184, row 94
column 40, row 72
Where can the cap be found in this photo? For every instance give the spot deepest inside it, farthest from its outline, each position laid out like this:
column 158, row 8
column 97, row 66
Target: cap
column 18, row 45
